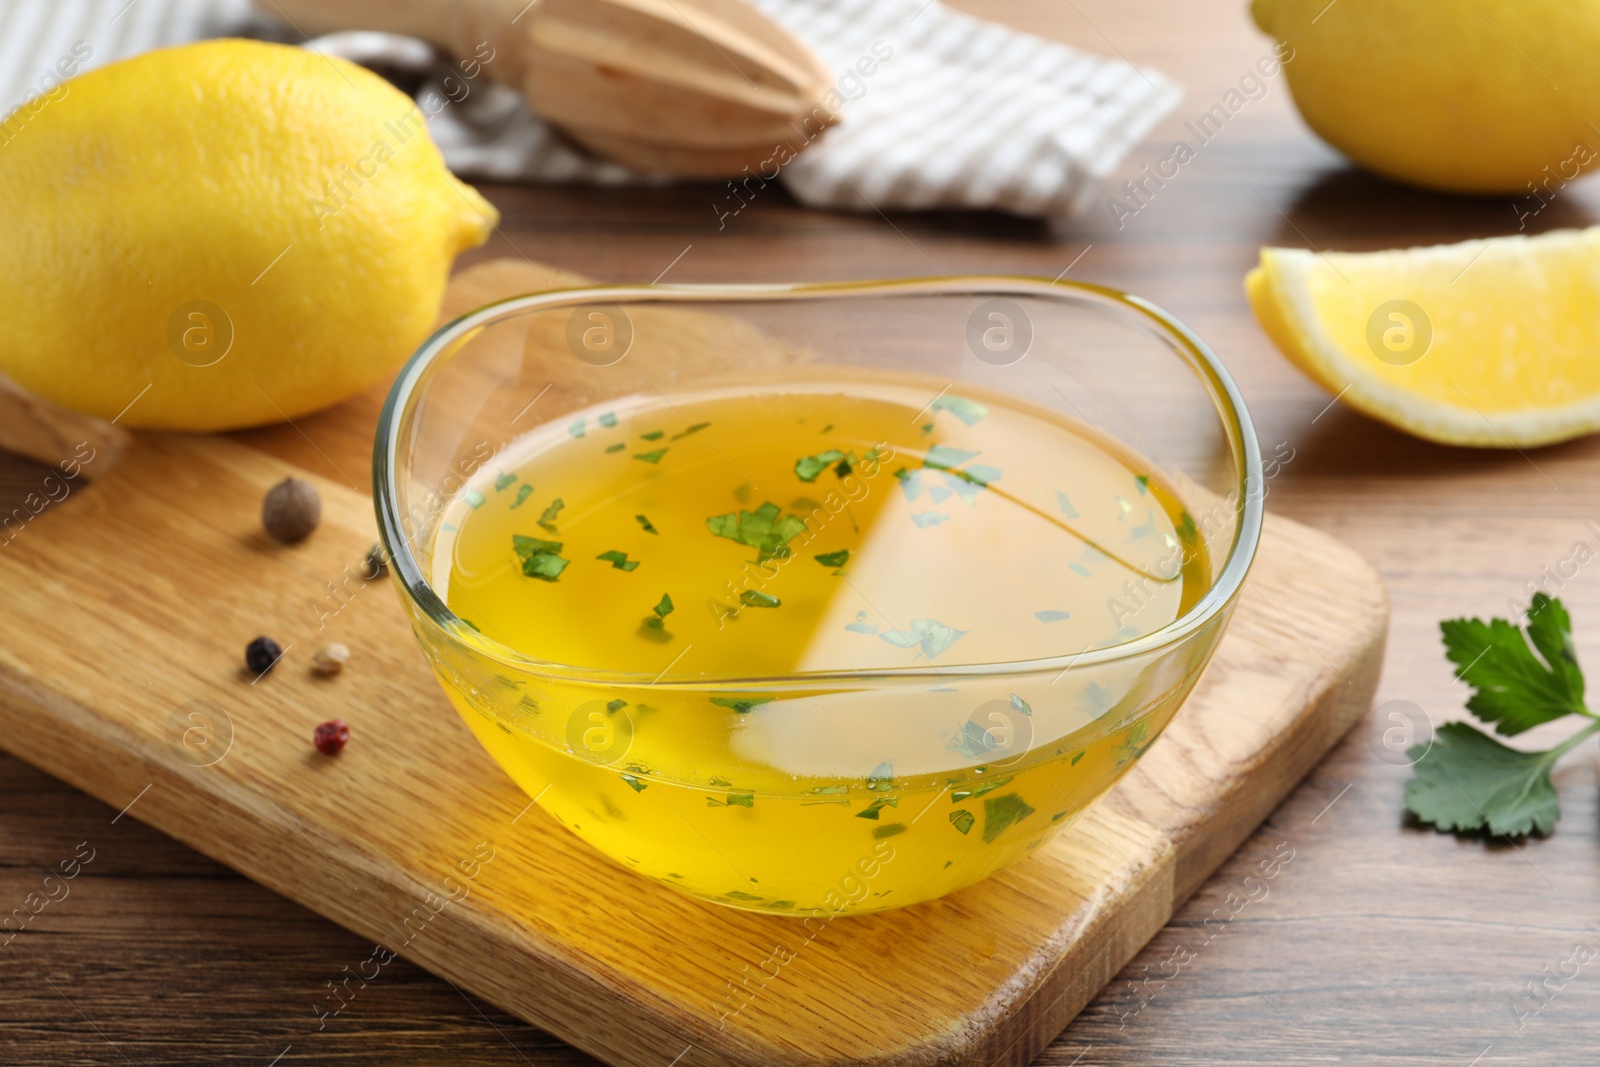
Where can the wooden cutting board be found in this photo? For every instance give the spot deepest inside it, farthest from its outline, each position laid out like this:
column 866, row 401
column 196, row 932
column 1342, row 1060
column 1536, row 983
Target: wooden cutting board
column 134, row 597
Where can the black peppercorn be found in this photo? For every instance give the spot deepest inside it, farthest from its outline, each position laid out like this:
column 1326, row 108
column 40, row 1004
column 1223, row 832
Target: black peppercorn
column 261, row 654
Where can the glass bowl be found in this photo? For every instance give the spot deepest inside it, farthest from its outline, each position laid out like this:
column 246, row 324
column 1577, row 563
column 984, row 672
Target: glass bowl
column 845, row 788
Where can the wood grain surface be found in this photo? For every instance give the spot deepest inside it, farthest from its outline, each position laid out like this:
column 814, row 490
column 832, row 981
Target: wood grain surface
column 1379, row 943
column 165, row 562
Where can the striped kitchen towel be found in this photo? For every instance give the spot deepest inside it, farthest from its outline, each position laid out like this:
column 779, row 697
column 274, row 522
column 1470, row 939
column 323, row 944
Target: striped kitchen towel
column 940, row 109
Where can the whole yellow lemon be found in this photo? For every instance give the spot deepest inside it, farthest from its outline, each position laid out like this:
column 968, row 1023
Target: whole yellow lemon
column 222, row 235
column 1467, row 96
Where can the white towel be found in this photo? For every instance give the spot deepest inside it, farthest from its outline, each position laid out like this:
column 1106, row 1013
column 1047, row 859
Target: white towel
column 940, row 109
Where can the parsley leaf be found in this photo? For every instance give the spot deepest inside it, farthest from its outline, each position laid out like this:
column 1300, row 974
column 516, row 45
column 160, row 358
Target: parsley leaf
column 619, row 560
column 651, row 457
column 1516, row 690
column 968, row 411
column 943, row 457
column 644, row 522
column 834, row 559
column 548, row 518
column 654, row 435
column 753, row 599
column 524, row 491
column 765, row 529
column 664, row 608
column 1000, row 813
column 930, row 635
column 1522, row 677
column 540, row 558
column 1468, row 781
column 740, row 705
column 808, row 467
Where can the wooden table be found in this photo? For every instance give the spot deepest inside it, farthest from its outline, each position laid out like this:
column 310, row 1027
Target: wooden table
column 1379, row 943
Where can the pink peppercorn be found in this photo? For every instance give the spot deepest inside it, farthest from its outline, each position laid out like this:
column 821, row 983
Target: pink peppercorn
column 331, row 736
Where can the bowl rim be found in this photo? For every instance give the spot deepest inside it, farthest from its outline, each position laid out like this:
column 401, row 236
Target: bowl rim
column 1247, row 499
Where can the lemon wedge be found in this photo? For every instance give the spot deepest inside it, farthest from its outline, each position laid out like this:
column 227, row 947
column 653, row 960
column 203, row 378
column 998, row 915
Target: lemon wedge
column 1491, row 343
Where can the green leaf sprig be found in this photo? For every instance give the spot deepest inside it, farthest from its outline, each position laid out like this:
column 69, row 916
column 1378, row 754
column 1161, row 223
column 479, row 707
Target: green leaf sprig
column 1521, row 677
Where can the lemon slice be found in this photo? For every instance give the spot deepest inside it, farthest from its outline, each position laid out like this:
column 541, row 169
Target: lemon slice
column 1492, row 343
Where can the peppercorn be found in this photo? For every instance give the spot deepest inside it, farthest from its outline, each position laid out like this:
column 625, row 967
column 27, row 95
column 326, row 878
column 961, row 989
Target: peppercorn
column 376, row 564
column 330, row 659
column 330, row 737
column 261, row 654
column 291, row 510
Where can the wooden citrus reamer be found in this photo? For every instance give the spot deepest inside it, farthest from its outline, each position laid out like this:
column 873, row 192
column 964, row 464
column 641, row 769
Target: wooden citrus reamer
column 697, row 88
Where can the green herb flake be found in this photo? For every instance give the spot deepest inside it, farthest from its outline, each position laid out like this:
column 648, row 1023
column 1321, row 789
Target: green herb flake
column 962, row 820
column 808, row 467
column 741, row 705
column 608, row 420
column 721, row 783
column 619, row 560
column 943, row 457
column 654, row 435
column 968, row 411
column 871, row 810
column 614, row 706
column 978, row 789
column 925, row 519
column 910, row 482
column 861, row 625
column 1135, row 744
column 753, row 599
column 743, row 800
column 1052, row 616
column 978, row 474
column 664, row 608
column 1076, row 756
column 888, row 829
column 645, row 523
column 577, row 428
column 1022, row 706
column 696, row 428
column 1000, row 813
column 1143, row 482
column 881, row 778
column 738, row 894
column 540, row 558
column 547, row 518
column 1066, row 505
column 504, row 481
column 524, row 491
column 830, row 790
column 635, row 783
column 834, row 559
column 765, row 529
column 651, row 457
column 544, row 566
column 473, row 498
column 931, row 636
column 1186, row 528
column 618, row 447
column 926, row 427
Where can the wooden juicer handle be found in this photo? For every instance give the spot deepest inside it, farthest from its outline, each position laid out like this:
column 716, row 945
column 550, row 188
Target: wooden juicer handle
column 695, row 88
